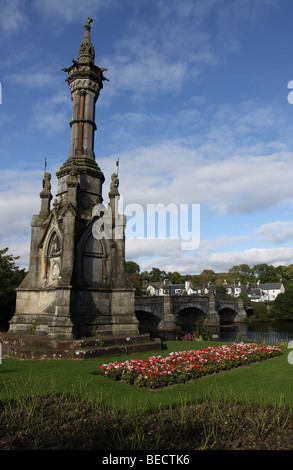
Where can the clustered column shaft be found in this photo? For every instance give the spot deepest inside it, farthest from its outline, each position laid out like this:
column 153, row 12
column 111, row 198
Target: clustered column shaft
column 81, row 117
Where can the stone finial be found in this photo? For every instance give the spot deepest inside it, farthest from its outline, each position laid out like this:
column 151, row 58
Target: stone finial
column 88, row 22
column 46, row 192
column 86, row 53
column 46, row 195
column 114, row 186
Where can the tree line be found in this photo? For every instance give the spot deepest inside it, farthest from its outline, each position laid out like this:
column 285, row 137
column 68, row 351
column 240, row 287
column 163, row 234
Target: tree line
column 243, row 273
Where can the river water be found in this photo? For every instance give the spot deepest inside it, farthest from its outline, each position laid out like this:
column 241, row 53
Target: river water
column 269, row 332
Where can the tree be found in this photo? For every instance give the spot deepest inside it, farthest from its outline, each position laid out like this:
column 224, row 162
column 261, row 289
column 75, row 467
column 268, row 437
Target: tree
column 131, row 267
column 10, row 278
column 132, row 270
column 282, row 307
column 136, row 282
column 208, row 275
column 175, row 278
column 156, row 275
column 266, row 273
column 285, row 273
column 242, row 273
column 261, row 311
column 221, row 292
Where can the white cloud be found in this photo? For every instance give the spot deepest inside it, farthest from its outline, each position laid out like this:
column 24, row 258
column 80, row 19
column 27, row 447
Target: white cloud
column 149, row 75
column 223, row 242
column 276, row 232
column 18, row 202
column 216, row 254
column 71, row 10
column 253, row 256
column 34, row 77
column 220, row 166
column 52, row 114
column 179, row 45
column 177, row 175
column 170, row 258
column 16, row 212
column 19, row 248
column 12, row 18
column 168, row 172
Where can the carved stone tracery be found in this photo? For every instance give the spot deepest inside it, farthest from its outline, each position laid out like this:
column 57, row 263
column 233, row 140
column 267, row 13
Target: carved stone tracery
column 54, row 247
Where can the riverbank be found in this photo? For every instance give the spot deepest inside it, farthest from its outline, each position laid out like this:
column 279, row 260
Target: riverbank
column 268, row 331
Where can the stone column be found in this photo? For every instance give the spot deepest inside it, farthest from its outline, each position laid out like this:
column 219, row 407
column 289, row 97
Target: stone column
column 74, row 122
column 89, row 123
column 81, row 123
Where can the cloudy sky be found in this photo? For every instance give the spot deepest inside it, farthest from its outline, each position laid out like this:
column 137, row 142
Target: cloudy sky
column 197, row 110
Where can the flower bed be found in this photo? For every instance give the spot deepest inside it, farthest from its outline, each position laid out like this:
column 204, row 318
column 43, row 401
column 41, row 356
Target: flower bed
column 179, row 367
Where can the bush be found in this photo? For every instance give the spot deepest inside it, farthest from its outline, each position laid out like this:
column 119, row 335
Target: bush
column 261, row 311
column 200, row 330
column 10, row 278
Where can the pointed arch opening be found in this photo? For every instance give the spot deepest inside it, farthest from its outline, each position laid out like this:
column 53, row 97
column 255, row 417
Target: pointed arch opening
column 53, row 258
column 93, row 261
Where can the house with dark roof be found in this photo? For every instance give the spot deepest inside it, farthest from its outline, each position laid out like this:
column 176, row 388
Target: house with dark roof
column 265, row 292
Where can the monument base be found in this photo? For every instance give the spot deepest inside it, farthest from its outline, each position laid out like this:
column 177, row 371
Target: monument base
column 72, row 313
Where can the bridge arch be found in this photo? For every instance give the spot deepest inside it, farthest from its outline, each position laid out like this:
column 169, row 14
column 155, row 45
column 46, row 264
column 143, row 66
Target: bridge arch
column 187, row 317
column 227, row 315
column 148, row 322
column 249, row 311
column 184, row 302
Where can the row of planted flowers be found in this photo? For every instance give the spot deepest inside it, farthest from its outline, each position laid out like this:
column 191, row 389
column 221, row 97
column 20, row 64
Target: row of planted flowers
column 179, row 367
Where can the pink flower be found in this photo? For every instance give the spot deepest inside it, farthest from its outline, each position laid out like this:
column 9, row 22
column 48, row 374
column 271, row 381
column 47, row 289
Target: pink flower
column 184, row 365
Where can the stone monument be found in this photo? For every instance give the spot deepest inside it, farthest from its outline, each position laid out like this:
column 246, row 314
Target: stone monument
column 76, row 285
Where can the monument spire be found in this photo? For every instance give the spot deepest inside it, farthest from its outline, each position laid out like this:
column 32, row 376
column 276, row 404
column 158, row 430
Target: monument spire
column 85, row 80
column 86, row 53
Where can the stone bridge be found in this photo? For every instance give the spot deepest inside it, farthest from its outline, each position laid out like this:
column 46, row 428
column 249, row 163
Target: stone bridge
column 167, row 313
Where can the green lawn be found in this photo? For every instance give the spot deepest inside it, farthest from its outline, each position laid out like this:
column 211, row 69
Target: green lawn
column 269, row 382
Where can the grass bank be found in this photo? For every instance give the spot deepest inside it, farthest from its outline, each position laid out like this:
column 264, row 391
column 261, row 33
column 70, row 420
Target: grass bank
column 64, row 404
column 265, row 381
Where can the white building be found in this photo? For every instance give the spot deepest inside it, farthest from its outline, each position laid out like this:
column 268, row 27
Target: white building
column 266, row 292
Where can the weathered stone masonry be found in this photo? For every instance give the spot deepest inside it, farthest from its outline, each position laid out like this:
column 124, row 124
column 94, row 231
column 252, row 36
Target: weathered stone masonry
column 76, row 284
column 165, row 309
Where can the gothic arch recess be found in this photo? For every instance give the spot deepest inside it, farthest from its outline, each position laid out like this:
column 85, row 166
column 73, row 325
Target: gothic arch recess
column 93, row 255
column 54, row 245
column 52, row 257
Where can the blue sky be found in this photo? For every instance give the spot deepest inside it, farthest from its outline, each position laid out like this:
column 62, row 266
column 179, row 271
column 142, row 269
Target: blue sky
column 196, row 110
